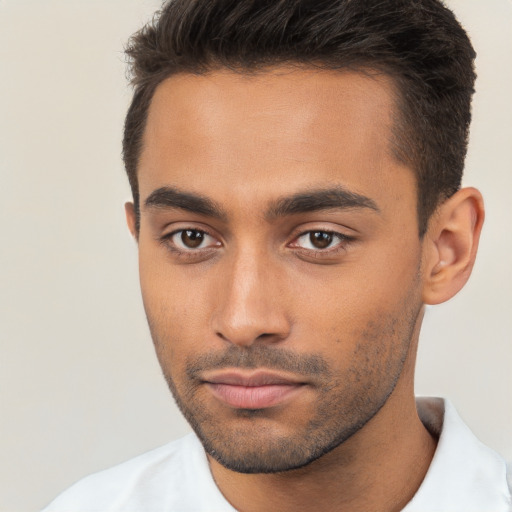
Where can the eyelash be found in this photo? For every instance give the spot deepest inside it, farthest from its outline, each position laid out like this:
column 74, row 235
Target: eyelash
column 191, row 253
column 168, row 243
column 341, row 245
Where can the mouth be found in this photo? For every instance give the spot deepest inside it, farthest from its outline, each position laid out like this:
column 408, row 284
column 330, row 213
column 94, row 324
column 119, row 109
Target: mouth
column 255, row 390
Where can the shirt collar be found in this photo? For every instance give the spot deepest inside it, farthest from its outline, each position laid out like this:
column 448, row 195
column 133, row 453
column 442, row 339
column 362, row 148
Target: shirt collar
column 464, row 475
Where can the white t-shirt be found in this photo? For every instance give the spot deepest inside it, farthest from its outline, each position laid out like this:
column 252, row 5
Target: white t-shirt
column 464, row 476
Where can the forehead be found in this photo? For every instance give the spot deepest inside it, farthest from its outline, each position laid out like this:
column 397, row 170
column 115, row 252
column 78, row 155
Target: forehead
column 272, row 131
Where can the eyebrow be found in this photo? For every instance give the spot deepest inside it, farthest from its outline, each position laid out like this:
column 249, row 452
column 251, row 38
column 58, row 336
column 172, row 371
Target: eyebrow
column 336, row 198
column 303, row 202
column 170, row 197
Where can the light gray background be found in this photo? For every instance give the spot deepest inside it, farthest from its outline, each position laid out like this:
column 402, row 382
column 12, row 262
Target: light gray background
column 80, row 388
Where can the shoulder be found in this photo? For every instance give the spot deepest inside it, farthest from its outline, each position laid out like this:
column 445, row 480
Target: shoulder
column 167, row 478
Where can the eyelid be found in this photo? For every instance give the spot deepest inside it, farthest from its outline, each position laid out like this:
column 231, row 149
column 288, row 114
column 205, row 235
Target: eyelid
column 166, row 240
column 191, row 249
column 343, row 241
column 171, row 228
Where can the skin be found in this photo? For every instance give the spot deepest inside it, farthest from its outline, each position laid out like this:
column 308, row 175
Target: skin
column 258, row 292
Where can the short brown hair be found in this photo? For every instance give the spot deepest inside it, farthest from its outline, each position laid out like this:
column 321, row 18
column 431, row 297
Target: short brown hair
column 419, row 43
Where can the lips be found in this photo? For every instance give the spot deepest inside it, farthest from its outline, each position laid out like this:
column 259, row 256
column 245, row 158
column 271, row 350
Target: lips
column 256, row 390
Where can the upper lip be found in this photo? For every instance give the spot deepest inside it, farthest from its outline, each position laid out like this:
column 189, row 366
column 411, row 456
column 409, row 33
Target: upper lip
column 250, row 379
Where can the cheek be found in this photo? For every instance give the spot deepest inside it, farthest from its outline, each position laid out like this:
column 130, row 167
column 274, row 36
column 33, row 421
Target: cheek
column 169, row 291
column 363, row 300
column 368, row 348
column 175, row 308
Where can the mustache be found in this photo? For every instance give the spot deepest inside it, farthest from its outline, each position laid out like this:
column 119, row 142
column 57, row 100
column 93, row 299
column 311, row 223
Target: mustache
column 259, row 356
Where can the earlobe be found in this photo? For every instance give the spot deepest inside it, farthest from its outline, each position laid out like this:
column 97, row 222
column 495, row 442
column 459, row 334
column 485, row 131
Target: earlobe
column 131, row 219
column 451, row 245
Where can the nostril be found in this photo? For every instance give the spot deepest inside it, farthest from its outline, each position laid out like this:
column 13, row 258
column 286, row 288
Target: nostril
column 221, row 336
column 265, row 335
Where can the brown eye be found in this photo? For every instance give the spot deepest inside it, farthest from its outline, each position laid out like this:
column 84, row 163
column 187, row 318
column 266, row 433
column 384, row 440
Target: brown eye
column 188, row 240
column 320, row 239
column 192, row 238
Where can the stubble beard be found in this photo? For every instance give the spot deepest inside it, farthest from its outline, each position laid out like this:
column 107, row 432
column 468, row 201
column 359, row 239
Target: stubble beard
column 345, row 403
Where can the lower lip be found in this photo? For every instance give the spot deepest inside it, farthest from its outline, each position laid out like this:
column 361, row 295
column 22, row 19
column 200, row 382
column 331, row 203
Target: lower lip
column 253, row 397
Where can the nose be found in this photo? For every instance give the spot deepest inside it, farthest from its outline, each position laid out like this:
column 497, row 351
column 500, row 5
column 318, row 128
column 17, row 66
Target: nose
column 251, row 306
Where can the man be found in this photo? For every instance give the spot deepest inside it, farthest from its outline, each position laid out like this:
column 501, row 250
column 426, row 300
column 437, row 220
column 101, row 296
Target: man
column 295, row 169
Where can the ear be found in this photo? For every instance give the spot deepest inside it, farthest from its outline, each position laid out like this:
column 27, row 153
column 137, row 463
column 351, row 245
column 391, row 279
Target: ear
column 131, row 219
column 450, row 245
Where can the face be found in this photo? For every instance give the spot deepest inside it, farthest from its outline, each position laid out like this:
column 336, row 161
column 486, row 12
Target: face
column 279, row 258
